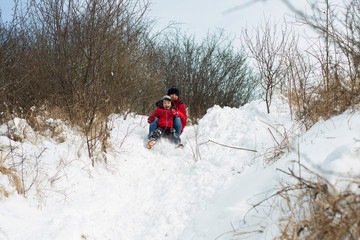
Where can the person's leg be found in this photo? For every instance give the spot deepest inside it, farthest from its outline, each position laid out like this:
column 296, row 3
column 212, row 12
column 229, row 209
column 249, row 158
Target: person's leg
column 175, row 137
column 177, row 125
column 155, row 135
column 153, row 125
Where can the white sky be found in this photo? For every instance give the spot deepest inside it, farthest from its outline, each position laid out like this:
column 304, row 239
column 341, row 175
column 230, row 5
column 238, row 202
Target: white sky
column 5, row 7
column 200, row 16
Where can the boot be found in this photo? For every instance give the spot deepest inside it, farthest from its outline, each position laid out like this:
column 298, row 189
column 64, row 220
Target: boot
column 150, row 144
column 180, row 146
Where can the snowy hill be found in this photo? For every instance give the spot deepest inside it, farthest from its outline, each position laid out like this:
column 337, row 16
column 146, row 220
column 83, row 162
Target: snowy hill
column 202, row 192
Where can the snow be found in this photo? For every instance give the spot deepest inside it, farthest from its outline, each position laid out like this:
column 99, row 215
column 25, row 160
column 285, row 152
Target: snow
column 204, row 191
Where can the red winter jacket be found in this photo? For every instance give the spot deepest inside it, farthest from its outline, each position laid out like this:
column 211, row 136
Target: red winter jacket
column 182, row 110
column 165, row 117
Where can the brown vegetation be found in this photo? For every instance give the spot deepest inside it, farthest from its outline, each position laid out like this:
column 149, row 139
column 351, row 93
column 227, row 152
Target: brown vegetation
column 81, row 61
column 319, row 82
column 14, row 179
column 208, row 72
column 316, row 209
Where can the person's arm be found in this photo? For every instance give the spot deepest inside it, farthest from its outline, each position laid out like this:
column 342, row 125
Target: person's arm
column 182, row 115
column 156, row 114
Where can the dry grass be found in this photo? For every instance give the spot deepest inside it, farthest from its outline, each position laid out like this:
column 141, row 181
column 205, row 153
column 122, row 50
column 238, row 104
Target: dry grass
column 49, row 121
column 3, row 192
column 38, row 122
column 319, row 103
column 313, row 209
column 96, row 136
column 282, row 138
column 316, row 209
column 12, row 175
column 41, row 119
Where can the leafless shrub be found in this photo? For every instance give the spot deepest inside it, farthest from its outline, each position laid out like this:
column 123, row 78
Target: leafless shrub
column 322, row 80
column 21, row 168
column 267, row 49
column 332, row 84
column 96, row 134
column 195, row 150
column 314, row 91
column 309, row 104
column 28, row 169
column 129, row 130
column 82, row 60
column 26, row 172
column 13, row 69
column 296, row 85
column 208, row 72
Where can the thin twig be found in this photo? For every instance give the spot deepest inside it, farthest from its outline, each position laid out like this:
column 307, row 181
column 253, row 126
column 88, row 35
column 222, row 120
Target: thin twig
column 238, row 148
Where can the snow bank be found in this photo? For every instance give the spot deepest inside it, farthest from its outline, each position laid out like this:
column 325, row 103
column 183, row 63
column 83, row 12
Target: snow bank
column 200, row 192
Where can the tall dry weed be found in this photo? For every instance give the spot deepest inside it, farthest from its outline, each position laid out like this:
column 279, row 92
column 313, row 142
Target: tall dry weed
column 320, row 103
column 311, row 208
column 282, row 142
column 316, row 209
column 12, row 175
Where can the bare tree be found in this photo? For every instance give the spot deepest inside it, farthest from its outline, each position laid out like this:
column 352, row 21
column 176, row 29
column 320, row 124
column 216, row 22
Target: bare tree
column 208, row 72
column 336, row 56
column 87, row 59
column 267, row 49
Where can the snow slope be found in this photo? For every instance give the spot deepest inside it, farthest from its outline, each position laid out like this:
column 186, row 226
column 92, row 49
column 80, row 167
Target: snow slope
column 201, row 192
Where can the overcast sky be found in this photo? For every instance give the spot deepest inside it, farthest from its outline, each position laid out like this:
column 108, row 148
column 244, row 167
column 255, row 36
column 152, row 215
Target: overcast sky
column 200, row 16
column 5, row 8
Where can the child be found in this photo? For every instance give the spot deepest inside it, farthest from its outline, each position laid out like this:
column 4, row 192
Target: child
column 179, row 123
column 165, row 113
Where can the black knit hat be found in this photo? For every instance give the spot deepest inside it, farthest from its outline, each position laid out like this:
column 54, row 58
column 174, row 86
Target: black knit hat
column 172, row 90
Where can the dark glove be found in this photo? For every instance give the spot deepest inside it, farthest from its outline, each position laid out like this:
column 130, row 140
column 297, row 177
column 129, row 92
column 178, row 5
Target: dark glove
column 151, row 118
column 175, row 113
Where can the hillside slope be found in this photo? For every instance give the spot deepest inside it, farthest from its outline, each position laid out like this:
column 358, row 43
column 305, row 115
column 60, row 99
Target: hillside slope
column 200, row 192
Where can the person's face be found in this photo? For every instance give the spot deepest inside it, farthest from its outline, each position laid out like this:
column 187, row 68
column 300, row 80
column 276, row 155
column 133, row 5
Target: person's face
column 174, row 96
column 166, row 104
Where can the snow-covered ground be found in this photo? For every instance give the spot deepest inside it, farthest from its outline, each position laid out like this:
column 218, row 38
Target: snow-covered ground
column 202, row 192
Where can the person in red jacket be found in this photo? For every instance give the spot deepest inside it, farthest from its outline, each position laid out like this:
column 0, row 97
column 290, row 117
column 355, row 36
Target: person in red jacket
column 165, row 114
column 179, row 123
